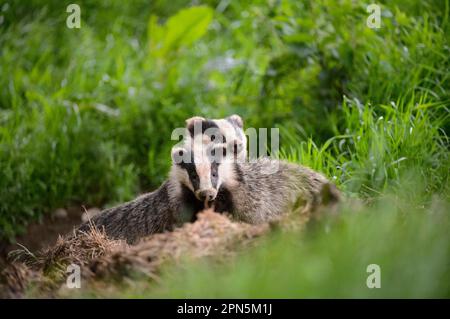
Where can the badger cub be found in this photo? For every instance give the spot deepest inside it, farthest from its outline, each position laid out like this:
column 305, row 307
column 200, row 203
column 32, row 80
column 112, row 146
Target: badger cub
column 257, row 191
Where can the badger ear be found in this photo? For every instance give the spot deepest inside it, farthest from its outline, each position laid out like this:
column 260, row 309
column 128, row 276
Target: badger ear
column 236, row 120
column 180, row 155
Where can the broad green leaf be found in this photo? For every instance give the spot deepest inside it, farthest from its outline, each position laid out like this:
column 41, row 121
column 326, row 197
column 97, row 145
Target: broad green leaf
column 180, row 30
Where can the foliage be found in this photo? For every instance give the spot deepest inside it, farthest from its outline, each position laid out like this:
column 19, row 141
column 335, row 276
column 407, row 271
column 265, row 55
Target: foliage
column 86, row 117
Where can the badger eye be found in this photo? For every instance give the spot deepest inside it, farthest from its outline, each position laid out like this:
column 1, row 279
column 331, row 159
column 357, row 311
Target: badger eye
column 180, row 153
column 213, row 138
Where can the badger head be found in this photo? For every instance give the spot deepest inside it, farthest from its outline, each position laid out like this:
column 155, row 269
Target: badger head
column 203, row 168
column 229, row 130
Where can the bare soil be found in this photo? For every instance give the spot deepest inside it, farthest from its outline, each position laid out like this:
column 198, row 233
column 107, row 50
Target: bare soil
column 40, row 235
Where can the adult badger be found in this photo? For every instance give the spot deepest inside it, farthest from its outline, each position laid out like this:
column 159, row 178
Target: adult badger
column 173, row 203
column 256, row 191
column 205, row 174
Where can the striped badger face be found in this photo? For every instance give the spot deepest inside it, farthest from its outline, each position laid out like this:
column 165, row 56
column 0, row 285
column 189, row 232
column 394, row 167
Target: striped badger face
column 203, row 168
column 229, row 130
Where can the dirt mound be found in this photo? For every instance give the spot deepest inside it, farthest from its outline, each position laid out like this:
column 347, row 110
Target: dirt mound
column 212, row 235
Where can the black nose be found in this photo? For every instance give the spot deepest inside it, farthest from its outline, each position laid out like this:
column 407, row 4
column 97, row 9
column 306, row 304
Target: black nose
column 203, row 195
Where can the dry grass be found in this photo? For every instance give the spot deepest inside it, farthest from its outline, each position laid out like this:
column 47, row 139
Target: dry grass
column 102, row 259
column 211, row 235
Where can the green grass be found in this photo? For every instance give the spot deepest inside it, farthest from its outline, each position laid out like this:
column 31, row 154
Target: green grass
column 86, row 116
column 378, row 146
column 410, row 244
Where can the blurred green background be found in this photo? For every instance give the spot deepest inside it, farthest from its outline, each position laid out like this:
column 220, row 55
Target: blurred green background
column 86, row 116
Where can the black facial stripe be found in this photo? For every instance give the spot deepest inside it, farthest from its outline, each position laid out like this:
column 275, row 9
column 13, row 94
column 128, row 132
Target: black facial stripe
column 205, row 124
column 214, row 174
column 192, row 172
column 193, row 176
column 210, row 128
column 239, row 173
column 235, row 148
column 216, row 136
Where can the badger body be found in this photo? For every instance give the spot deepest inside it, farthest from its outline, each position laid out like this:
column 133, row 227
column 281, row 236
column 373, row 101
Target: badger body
column 263, row 190
column 204, row 175
column 260, row 190
column 173, row 203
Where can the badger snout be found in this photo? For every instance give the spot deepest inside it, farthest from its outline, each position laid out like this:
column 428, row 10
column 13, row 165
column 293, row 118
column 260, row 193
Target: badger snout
column 206, row 194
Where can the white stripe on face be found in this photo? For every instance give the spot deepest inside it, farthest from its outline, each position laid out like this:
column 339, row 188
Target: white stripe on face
column 202, row 163
column 204, row 174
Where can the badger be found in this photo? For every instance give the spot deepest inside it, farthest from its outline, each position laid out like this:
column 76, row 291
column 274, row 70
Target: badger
column 256, row 191
column 173, row 203
column 207, row 173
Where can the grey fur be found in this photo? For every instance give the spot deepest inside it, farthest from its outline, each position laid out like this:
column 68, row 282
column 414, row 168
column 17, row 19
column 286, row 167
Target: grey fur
column 263, row 190
column 147, row 214
column 257, row 191
column 169, row 206
column 255, row 196
column 254, row 192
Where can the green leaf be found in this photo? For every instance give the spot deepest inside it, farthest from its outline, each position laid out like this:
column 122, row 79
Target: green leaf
column 180, row 30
